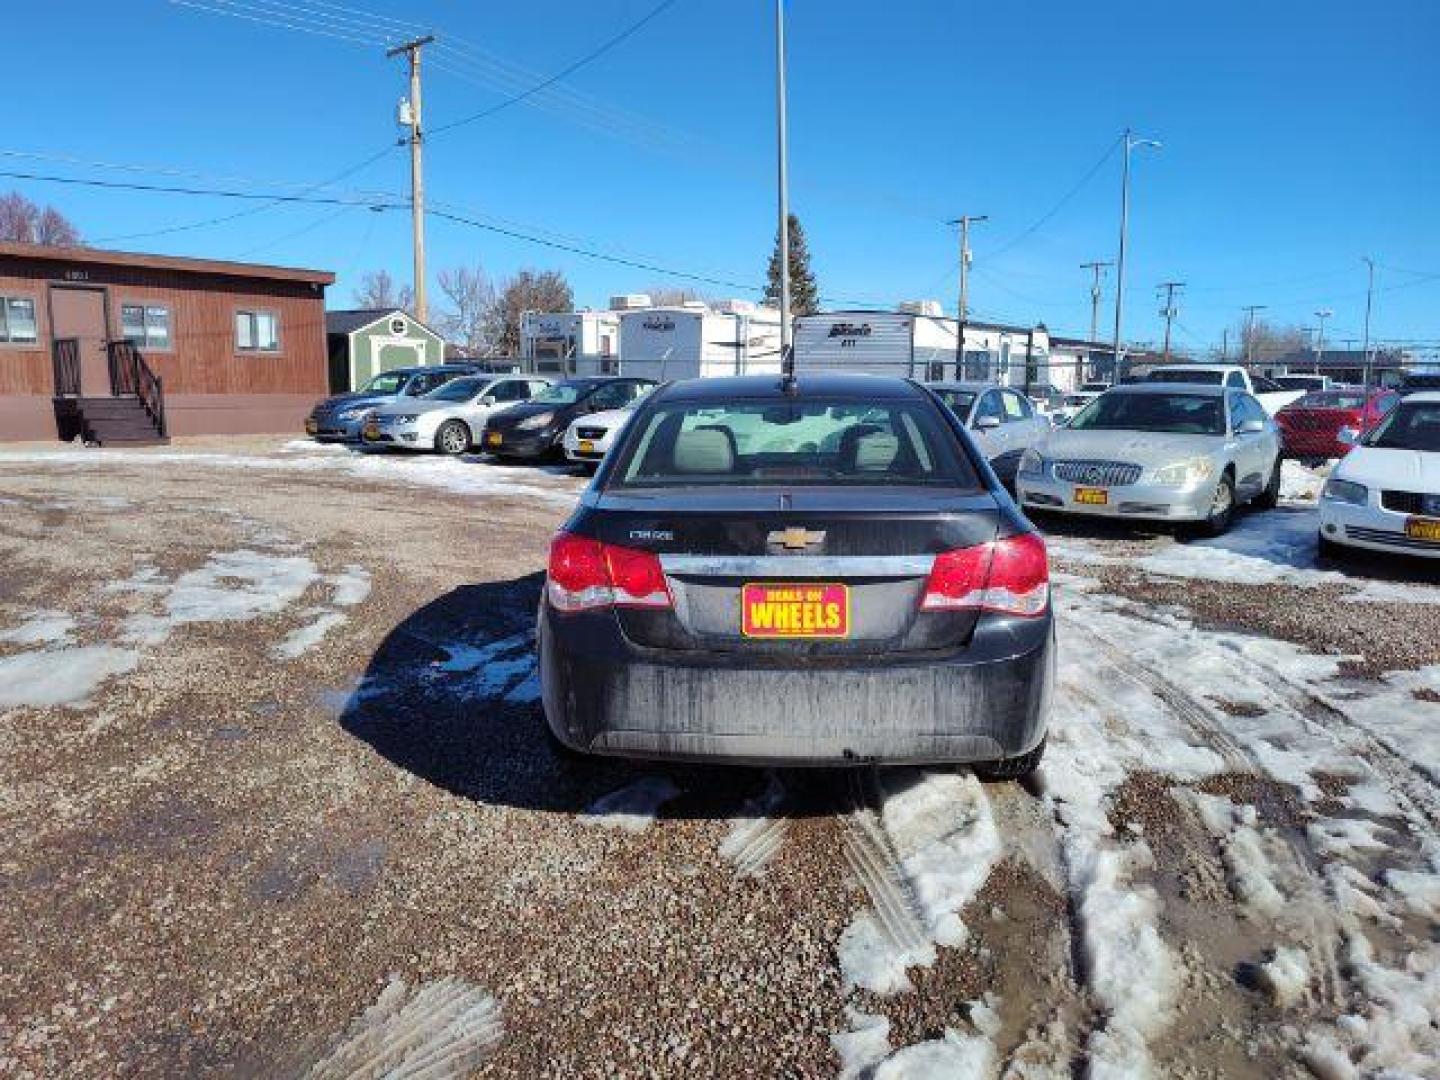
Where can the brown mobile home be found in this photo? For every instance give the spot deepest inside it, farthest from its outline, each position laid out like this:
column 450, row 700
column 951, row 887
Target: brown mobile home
column 122, row 347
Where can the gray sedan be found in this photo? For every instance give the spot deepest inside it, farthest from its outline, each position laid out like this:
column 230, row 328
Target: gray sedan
column 1001, row 420
column 1160, row 452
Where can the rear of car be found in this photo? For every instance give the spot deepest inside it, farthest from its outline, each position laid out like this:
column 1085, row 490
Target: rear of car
column 814, row 575
column 1310, row 428
column 1384, row 495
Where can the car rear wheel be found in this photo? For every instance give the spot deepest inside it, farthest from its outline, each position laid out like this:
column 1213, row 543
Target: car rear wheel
column 1327, row 548
column 1015, row 768
column 1222, row 508
column 1270, row 497
column 453, row 437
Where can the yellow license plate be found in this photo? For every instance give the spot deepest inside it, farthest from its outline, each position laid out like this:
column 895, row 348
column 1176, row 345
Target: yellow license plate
column 371, row 430
column 492, row 439
column 311, row 427
column 794, row 610
column 1423, row 529
column 586, row 446
column 1086, row 496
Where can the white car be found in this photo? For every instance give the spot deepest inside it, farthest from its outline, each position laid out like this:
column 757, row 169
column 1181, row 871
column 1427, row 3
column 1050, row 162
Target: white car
column 1384, row 495
column 589, row 438
column 1071, row 404
column 1231, row 376
column 450, row 418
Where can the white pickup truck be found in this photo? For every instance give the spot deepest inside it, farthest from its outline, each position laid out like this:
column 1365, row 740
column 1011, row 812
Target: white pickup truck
column 1270, row 394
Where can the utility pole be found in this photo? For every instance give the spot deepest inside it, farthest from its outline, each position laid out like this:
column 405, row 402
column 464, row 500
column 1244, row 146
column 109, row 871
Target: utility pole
column 1097, row 274
column 782, row 140
column 1169, row 311
column 1369, row 298
column 964, row 221
column 1322, row 315
column 411, row 49
column 1130, row 143
column 1250, row 332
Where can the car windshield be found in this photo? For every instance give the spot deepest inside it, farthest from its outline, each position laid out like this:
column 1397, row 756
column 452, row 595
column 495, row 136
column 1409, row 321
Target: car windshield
column 565, row 393
column 811, row 443
column 457, row 390
column 1178, row 414
column 388, row 383
column 959, row 401
column 1332, row 399
column 1197, row 378
column 1413, row 425
column 1299, row 382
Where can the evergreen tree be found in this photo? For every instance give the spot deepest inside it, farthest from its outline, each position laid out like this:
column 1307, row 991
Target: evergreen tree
column 804, row 292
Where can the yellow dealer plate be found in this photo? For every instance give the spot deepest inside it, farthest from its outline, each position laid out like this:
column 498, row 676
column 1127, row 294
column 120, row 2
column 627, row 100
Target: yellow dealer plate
column 1423, row 529
column 586, row 446
column 1087, row 496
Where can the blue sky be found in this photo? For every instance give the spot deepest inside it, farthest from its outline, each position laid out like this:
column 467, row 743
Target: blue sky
column 1297, row 138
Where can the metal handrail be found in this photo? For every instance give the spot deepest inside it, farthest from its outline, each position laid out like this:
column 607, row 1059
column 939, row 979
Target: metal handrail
column 130, row 374
column 65, row 355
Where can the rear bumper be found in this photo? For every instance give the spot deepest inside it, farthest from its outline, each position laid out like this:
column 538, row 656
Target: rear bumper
column 1151, row 502
column 604, row 695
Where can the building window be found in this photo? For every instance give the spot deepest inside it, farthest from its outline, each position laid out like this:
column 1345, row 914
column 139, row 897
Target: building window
column 145, row 326
column 257, row 331
column 17, row 320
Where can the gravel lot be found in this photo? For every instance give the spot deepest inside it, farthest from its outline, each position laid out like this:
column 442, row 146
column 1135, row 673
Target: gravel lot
column 278, row 802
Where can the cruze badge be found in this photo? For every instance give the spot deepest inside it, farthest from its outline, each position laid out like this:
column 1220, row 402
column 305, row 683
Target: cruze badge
column 795, row 539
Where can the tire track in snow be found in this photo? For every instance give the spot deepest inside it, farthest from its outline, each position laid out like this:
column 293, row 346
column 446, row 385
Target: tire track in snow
column 756, row 837
column 873, row 860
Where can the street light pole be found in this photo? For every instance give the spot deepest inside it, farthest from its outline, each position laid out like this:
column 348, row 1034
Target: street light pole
column 787, row 357
column 1369, row 299
column 1250, row 332
column 411, row 49
column 1130, row 143
column 1322, row 315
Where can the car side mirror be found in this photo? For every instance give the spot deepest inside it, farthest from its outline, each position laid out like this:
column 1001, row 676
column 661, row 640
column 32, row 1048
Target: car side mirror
column 987, row 423
column 487, row 401
column 1348, row 436
column 1250, row 427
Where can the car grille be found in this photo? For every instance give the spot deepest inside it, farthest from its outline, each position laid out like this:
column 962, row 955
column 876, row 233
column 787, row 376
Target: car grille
column 1099, row 473
column 1403, row 502
column 1384, row 536
column 590, row 432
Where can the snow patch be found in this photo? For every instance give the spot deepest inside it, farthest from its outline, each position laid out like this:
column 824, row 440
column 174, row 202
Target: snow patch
column 1286, row 977
column 863, row 1045
column 304, row 638
column 632, row 807
column 41, row 628
column 232, row 586
column 45, row 677
column 755, row 838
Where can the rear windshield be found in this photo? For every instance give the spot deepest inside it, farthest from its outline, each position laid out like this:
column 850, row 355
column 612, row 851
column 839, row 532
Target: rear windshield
column 1176, row 414
column 816, row 443
column 1198, row 378
column 389, row 383
column 1333, row 399
column 565, row 393
column 1413, row 425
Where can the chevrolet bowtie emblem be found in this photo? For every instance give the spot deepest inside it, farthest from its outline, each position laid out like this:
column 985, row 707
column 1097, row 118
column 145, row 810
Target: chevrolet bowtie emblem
column 795, row 539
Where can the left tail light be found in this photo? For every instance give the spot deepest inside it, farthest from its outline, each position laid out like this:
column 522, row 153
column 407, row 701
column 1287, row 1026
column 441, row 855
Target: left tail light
column 585, row 574
column 1010, row 576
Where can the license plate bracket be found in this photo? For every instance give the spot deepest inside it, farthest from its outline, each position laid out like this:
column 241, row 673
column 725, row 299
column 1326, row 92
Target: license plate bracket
column 788, row 609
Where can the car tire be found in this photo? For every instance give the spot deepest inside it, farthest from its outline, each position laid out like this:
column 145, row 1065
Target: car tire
column 1326, row 548
column 1270, row 497
column 1222, row 508
column 453, row 438
column 1015, row 768
column 559, row 748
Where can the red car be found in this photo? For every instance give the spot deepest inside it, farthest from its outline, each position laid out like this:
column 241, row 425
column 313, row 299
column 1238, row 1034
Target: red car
column 1310, row 427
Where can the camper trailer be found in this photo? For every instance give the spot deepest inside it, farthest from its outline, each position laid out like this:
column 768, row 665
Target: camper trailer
column 571, row 342
column 734, row 337
column 918, row 342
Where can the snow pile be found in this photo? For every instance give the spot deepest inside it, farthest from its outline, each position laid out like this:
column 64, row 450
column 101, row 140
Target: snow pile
column 943, row 836
column 1246, row 853
column 633, row 807
column 1286, row 977
column 67, row 676
column 1298, row 483
column 41, row 628
column 865, row 1051
column 863, row 1045
column 459, row 476
column 442, row 1028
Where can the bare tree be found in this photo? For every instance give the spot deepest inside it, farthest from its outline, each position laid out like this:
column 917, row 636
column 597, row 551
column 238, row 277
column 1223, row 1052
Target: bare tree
column 27, row 223
column 529, row 290
column 672, row 296
column 467, row 322
column 1265, row 340
column 377, row 290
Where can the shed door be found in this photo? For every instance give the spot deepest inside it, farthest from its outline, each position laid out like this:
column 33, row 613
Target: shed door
column 80, row 313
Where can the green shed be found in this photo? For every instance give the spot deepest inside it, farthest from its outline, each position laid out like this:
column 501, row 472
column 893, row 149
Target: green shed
column 366, row 341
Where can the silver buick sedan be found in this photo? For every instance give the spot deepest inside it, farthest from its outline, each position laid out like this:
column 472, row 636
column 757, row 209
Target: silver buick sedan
column 1159, row 452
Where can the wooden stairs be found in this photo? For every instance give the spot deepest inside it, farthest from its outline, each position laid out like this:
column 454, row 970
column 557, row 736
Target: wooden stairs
column 109, row 421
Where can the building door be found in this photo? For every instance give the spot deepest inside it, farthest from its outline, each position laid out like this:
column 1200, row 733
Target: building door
column 80, row 313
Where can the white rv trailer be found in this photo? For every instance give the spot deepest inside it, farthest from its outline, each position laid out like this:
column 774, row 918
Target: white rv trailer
column 918, row 342
column 571, row 342
column 694, row 340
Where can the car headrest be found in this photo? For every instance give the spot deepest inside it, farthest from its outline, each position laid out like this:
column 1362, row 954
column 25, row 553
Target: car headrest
column 875, row 452
column 705, row 450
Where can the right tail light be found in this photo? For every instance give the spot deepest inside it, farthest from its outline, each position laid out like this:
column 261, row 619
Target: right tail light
column 1010, row 576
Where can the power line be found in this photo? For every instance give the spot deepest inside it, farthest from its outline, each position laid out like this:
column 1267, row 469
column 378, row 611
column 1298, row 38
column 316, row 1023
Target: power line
column 589, row 57
column 1064, row 200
